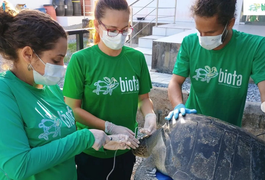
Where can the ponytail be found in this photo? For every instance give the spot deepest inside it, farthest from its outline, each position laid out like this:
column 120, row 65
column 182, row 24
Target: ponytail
column 96, row 38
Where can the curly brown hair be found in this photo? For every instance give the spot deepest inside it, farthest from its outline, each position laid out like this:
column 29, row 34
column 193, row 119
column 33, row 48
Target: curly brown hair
column 28, row 28
column 224, row 9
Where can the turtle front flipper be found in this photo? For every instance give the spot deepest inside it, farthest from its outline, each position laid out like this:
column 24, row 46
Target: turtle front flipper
column 147, row 144
column 146, row 170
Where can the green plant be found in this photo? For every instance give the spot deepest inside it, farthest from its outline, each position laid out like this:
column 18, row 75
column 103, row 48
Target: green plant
column 72, row 48
column 262, row 7
column 254, row 7
column 253, row 18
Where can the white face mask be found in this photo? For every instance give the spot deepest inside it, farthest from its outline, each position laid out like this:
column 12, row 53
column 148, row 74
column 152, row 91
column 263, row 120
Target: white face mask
column 211, row 42
column 115, row 43
column 52, row 74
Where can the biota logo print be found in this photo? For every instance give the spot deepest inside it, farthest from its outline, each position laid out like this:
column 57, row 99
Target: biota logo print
column 230, row 79
column 108, row 85
column 52, row 124
column 224, row 76
column 205, row 74
column 129, row 85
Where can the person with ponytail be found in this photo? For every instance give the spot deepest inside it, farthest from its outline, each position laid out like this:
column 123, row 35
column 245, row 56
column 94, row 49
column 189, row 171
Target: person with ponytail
column 104, row 84
column 38, row 137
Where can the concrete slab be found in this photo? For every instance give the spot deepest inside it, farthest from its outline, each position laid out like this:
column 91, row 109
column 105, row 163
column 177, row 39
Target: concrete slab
column 148, row 59
column 71, row 20
column 147, row 41
column 144, row 50
column 180, row 25
column 154, row 37
column 177, row 38
column 251, row 29
column 190, row 28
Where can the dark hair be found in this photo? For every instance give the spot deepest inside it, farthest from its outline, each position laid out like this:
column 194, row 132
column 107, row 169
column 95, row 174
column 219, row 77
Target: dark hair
column 102, row 5
column 224, row 9
column 28, row 28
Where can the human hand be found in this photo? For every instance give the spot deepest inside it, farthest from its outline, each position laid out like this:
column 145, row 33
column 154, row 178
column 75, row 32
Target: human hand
column 111, row 128
column 180, row 109
column 101, row 138
column 118, row 142
column 149, row 124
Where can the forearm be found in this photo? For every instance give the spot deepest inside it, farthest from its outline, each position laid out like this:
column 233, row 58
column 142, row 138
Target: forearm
column 146, row 106
column 31, row 161
column 175, row 93
column 88, row 119
column 261, row 86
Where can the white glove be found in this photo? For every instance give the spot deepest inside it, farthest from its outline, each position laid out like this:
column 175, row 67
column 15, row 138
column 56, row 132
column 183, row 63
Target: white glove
column 262, row 106
column 118, row 141
column 111, row 128
column 101, row 138
column 149, row 124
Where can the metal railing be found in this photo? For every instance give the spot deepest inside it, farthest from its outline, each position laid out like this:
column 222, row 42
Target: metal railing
column 133, row 3
column 156, row 16
column 91, row 5
column 79, row 32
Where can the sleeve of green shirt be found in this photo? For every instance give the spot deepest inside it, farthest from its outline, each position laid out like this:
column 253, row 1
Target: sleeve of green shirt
column 258, row 68
column 145, row 80
column 74, row 79
column 17, row 158
column 181, row 67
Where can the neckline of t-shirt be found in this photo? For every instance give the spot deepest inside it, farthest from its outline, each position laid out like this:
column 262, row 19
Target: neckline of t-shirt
column 227, row 45
column 15, row 78
column 107, row 56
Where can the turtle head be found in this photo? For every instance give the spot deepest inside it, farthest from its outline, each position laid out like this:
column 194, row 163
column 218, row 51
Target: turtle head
column 146, row 145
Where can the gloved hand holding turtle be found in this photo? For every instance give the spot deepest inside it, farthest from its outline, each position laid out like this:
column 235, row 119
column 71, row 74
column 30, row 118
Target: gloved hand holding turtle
column 100, row 138
column 149, row 124
column 112, row 129
column 118, row 142
column 180, row 109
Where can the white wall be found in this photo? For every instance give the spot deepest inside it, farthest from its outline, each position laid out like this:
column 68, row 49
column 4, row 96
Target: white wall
column 238, row 10
column 31, row 4
column 182, row 14
column 183, row 9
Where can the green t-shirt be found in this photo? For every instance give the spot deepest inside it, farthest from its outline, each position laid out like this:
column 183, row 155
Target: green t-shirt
column 219, row 78
column 108, row 86
column 38, row 137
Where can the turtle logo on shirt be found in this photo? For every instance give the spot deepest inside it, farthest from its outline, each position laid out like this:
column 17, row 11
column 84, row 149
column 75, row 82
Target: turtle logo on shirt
column 50, row 126
column 106, row 86
column 205, row 74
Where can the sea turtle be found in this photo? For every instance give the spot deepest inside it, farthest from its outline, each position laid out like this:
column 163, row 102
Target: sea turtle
column 197, row 147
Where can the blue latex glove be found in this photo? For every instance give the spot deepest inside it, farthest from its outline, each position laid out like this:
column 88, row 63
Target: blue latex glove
column 161, row 176
column 4, row 6
column 180, row 109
